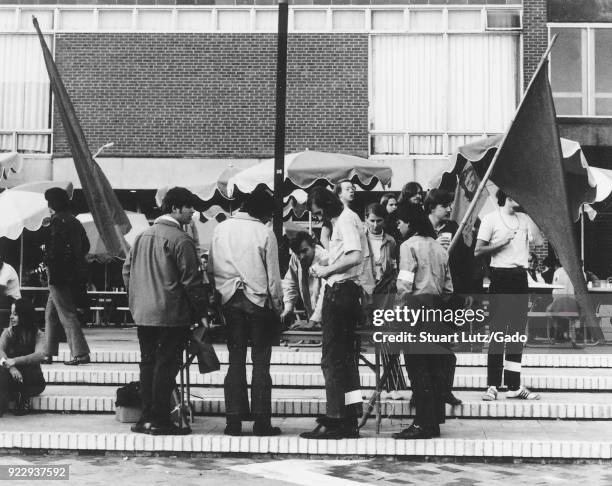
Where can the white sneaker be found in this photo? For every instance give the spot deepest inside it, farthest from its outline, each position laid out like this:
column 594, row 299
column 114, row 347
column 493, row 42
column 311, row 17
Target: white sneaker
column 490, row 394
column 523, row 394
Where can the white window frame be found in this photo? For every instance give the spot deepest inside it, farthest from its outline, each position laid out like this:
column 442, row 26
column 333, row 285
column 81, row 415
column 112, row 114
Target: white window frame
column 446, row 135
column 588, row 92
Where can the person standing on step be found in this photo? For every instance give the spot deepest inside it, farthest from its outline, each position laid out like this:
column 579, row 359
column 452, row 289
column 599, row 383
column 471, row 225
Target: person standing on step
column 505, row 234
column 167, row 294
column 65, row 250
column 340, row 315
column 244, row 266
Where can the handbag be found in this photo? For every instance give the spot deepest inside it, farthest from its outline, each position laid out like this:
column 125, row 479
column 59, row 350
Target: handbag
column 200, row 345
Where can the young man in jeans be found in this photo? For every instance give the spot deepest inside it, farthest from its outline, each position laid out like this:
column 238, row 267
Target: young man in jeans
column 340, row 315
column 243, row 264
column 505, row 235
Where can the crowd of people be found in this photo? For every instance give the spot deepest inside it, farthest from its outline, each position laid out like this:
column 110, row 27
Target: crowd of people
column 398, row 254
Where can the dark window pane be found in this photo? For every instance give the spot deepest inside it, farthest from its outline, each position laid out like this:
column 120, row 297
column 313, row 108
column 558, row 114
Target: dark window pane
column 566, row 61
column 568, row 106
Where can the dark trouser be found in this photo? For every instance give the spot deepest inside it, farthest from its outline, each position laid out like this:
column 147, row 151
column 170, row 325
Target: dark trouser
column 508, row 315
column 161, row 357
column 448, row 363
column 246, row 323
column 33, row 384
column 61, row 308
column 340, row 354
column 428, row 382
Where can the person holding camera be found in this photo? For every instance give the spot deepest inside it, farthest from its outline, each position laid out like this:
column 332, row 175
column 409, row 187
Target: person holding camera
column 22, row 350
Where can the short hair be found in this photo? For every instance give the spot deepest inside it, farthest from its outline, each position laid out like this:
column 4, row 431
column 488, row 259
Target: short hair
column 58, row 199
column 416, row 218
column 178, row 197
column 437, row 197
column 299, row 238
column 386, row 198
column 329, row 203
column 409, row 190
column 501, row 197
column 259, row 204
column 338, row 186
column 377, row 210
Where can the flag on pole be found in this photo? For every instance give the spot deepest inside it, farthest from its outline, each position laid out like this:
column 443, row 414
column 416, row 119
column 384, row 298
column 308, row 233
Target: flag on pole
column 531, row 170
column 109, row 217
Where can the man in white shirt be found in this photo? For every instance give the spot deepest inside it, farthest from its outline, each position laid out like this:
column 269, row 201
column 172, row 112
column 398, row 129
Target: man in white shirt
column 341, row 313
column 299, row 283
column 505, row 235
column 243, row 264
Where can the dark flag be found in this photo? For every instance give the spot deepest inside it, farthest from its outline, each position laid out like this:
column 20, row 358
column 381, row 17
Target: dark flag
column 108, row 215
column 531, row 169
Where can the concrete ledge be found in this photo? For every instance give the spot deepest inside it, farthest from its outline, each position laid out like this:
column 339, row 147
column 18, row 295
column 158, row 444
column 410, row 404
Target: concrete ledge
column 296, row 379
column 293, row 445
column 399, row 408
column 302, row 357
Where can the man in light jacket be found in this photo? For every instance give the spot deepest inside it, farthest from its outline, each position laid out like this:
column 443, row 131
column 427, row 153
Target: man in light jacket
column 244, row 266
column 166, row 295
column 300, row 284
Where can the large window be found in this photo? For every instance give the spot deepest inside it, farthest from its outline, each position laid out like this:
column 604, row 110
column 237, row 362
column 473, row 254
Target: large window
column 581, row 70
column 451, row 78
column 433, row 93
column 24, row 95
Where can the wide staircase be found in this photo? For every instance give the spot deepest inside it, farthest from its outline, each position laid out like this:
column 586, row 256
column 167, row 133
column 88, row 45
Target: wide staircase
column 572, row 421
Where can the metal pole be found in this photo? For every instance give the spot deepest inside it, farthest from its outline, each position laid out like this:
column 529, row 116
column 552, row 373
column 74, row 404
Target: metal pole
column 484, row 180
column 582, row 236
column 21, row 259
column 281, row 101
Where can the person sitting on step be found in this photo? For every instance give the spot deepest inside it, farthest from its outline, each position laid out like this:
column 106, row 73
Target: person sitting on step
column 22, row 350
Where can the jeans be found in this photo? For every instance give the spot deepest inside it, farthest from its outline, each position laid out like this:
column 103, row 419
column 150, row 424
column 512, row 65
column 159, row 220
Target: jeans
column 428, row 382
column 161, row 351
column 61, row 308
column 33, row 384
column 508, row 315
column 340, row 353
column 248, row 324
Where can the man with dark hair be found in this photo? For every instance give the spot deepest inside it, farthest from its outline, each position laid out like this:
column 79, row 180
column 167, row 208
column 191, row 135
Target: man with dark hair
column 299, row 283
column 340, row 315
column 505, row 235
column 65, row 251
column 167, row 295
column 243, row 263
column 345, row 190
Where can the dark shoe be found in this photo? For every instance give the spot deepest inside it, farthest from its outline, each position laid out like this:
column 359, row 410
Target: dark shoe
column 47, row 360
column 327, row 428
column 141, row 427
column 413, row 432
column 168, row 429
column 451, row 399
column 78, row 360
column 233, row 428
column 23, row 407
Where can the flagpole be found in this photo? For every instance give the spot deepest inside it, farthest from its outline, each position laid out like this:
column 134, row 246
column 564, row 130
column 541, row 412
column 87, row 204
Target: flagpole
column 489, row 171
column 281, row 105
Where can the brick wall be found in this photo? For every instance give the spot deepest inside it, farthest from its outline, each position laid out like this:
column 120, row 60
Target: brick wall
column 535, row 36
column 213, row 95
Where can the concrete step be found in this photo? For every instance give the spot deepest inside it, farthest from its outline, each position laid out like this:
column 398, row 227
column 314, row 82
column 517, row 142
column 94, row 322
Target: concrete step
column 470, row 378
column 284, row 356
column 469, row 439
column 289, row 403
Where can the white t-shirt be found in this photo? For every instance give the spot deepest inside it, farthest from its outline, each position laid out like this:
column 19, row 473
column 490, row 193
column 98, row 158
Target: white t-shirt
column 347, row 235
column 9, row 282
column 495, row 226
